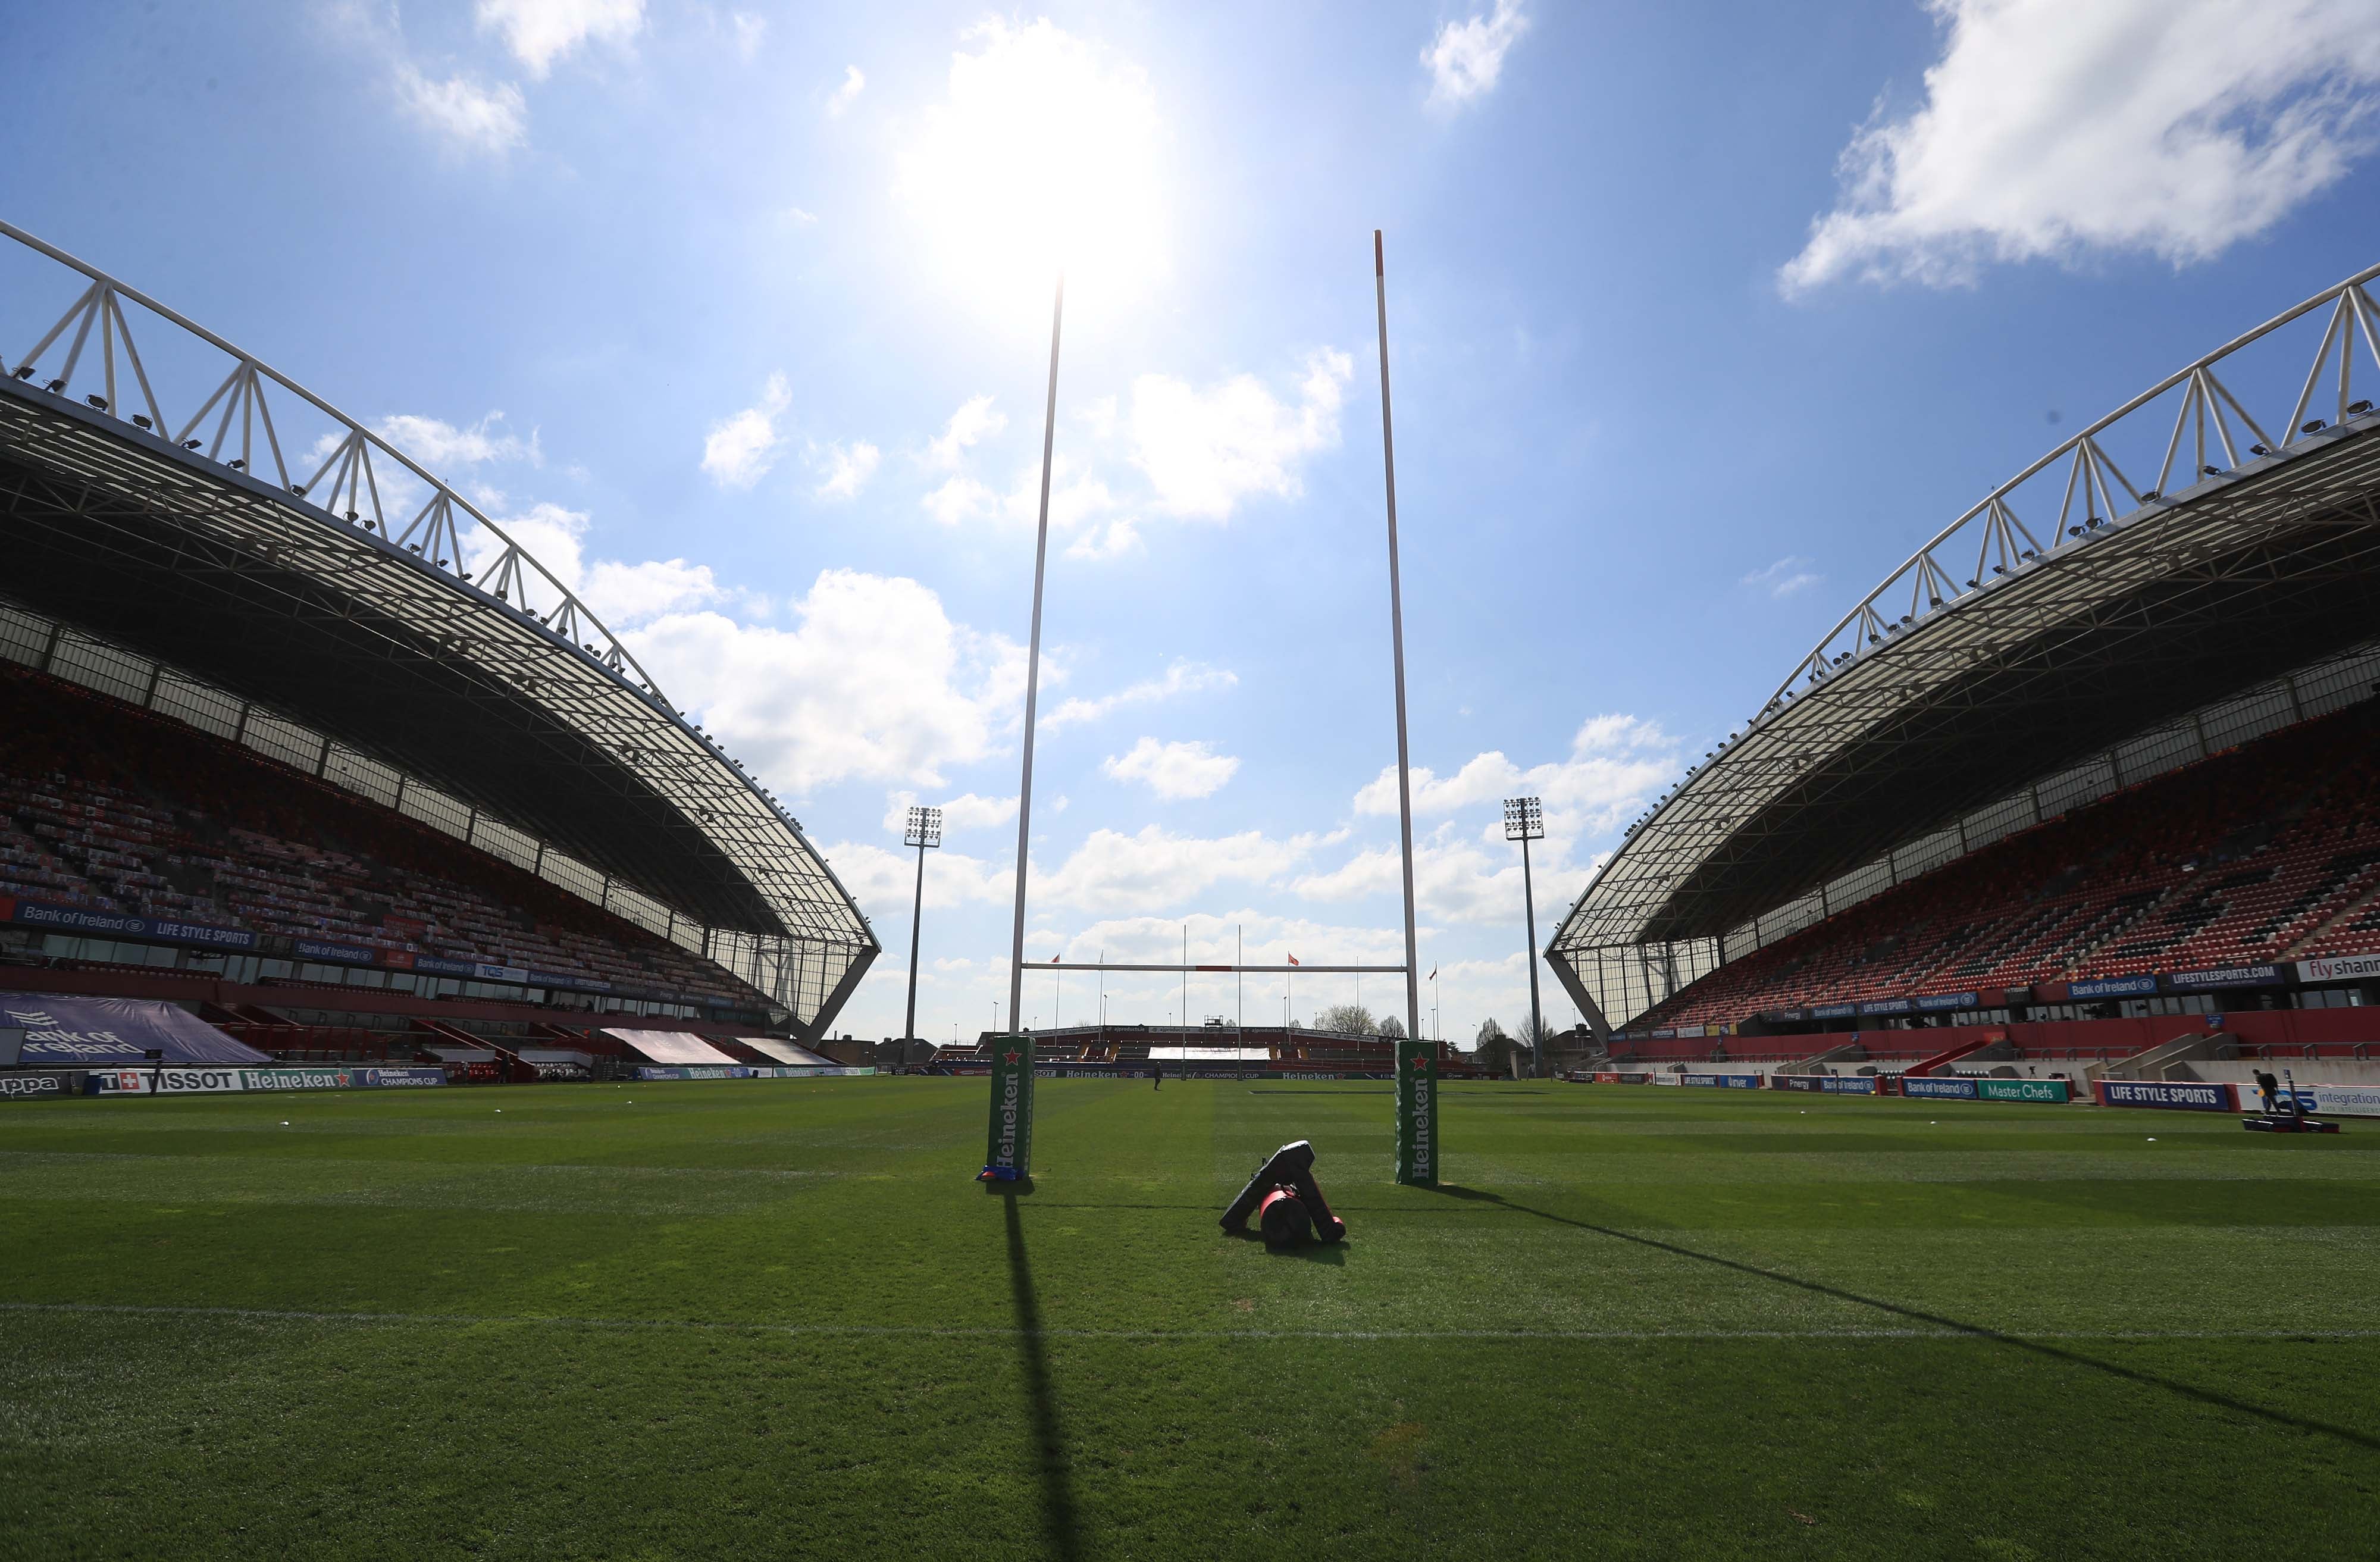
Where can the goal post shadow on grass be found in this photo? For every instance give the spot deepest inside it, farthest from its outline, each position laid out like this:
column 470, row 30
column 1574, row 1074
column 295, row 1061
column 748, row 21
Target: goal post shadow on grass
column 1952, row 1328
column 1008, row 1158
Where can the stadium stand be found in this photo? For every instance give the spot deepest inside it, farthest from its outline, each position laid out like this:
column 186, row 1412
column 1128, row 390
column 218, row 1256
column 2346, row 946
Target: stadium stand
column 106, row 808
column 2265, row 853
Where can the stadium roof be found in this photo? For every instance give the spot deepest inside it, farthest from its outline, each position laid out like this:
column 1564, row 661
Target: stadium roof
column 2067, row 611
column 271, row 547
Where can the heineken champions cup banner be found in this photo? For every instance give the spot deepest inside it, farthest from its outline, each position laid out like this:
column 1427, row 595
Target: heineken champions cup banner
column 1417, row 1113
column 1008, row 1149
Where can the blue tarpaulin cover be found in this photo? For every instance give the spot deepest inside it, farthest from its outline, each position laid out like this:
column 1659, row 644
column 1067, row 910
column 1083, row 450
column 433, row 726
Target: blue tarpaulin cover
column 69, row 1032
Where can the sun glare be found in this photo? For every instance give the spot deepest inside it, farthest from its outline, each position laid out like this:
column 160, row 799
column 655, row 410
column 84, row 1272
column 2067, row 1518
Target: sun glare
column 1044, row 157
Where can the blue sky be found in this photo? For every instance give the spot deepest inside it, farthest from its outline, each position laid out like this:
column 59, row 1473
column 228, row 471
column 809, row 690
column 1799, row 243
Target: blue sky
column 1702, row 317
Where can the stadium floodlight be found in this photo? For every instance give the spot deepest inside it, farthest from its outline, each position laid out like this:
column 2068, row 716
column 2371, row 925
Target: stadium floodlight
column 1525, row 821
column 923, row 832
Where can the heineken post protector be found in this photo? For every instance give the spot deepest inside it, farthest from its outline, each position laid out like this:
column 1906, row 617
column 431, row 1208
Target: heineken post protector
column 1417, row 1113
column 1008, row 1149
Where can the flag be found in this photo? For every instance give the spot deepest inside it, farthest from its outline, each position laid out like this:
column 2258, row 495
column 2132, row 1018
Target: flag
column 1053, row 960
column 1292, row 959
column 1433, row 973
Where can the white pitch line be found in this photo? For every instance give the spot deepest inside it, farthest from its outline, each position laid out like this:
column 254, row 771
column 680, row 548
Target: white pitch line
column 936, row 1331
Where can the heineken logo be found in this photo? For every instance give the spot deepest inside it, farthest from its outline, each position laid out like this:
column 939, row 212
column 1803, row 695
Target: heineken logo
column 1012, row 1054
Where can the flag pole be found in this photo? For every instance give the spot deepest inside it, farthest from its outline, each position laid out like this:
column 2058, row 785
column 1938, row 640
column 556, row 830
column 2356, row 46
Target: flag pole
column 1033, row 661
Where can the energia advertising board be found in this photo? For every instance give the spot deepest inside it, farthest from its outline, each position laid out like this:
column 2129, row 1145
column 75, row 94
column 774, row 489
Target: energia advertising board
column 1828, row 1084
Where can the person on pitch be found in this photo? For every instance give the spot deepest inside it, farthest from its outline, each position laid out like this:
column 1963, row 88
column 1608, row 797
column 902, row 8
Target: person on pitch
column 2270, row 1089
column 1157, row 1073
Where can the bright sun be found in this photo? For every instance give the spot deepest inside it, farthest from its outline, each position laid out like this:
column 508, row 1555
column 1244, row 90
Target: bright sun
column 1045, row 157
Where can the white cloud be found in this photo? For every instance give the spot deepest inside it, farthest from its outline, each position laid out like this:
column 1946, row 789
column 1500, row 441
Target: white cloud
column 961, row 498
column 1111, row 871
column 1113, row 540
column 854, row 81
column 875, row 683
column 960, row 813
column 739, row 450
column 436, row 444
column 1206, row 451
column 622, row 594
column 1615, row 763
column 2169, row 128
column 1173, row 770
column 750, row 32
column 1466, row 58
column 976, row 420
column 1182, row 678
column 471, row 118
column 1783, row 578
column 845, row 468
column 883, row 879
column 540, row 31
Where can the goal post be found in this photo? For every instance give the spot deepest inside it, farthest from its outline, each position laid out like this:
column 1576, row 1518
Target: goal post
column 1009, row 1154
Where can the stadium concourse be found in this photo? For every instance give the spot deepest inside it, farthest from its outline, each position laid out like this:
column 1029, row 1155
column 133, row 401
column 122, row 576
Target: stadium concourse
column 316, row 756
column 2102, row 810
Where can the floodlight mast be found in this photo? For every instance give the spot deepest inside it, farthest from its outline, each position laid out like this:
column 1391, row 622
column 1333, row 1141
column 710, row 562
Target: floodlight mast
column 925, row 832
column 1033, row 660
column 1525, row 821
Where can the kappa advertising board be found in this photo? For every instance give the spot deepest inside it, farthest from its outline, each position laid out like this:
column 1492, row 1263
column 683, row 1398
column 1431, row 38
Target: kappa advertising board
column 47, row 1084
column 2182, row 1095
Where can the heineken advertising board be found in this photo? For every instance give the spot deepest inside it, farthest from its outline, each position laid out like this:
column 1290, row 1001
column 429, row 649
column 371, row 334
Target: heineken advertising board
column 1008, row 1148
column 1417, row 1113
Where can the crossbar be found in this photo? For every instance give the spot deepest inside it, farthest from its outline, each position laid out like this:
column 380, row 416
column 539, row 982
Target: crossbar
column 1177, row 970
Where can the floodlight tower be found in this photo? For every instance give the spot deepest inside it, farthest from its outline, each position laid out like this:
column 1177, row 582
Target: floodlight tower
column 925, row 832
column 1525, row 821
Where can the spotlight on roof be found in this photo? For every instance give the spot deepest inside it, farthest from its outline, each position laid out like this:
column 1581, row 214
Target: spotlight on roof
column 55, row 385
column 189, row 445
column 2152, row 493
column 2357, row 409
column 2074, row 531
column 24, row 370
column 2211, row 472
column 140, row 420
column 2314, row 427
column 299, row 489
column 239, row 464
column 2258, row 450
column 101, row 402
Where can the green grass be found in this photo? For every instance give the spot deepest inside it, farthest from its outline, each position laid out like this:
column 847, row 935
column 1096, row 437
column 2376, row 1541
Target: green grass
column 777, row 1319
